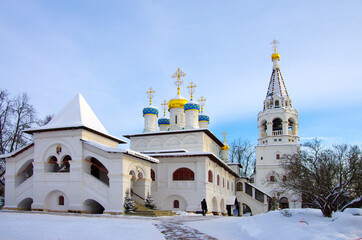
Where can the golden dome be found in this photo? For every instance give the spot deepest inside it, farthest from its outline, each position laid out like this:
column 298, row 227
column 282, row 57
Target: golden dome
column 225, row 147
column 275, row 56
column 177, row 102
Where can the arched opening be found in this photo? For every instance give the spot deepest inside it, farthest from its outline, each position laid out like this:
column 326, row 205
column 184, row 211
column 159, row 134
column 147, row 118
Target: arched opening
column 138, row 186
column 264, row 128
column 98, row 170
column 272, row 179
column 183, row 174
column 247, row 210
column 284, row 178
column 223, row 182
column 25, row 172
column 222, row 206
column 214, row 205
column 210, row 176
column 283, row 203
column 153, row 175
column 175, row 119
column 65, row 165
column 277, row 127
column 176, row 204
column 291, row 126
column 277, row 103
column 239, row 186
column 61, row 201
column 25, row 204
column 218, row 180
column 53, row 164
column 93, row 207
column 227, row 184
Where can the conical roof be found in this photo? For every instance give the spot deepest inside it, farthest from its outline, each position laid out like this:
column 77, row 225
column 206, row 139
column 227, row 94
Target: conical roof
column 276, row 84
column 76, row 114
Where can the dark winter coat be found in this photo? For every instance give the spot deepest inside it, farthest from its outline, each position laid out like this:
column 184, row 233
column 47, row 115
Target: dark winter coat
column 203, row 204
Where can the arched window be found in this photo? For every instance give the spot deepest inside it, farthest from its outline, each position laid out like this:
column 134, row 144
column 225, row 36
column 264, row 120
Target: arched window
column 65, row 165
column 278, row 156
column 175, row 119
column 239, row 186
column 272, row 179
column 223, row 182
column 176, row 204
column 53, row 164
column 228, row 184
column 277, row 103
column 153, row 176
column 277, row 127
column 284, row 178
column 218, row 180
column 183, row 174
column 61, row 200
column 210, row 176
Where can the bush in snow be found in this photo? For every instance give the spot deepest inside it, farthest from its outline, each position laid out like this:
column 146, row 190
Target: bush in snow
column 286, row 213
column 149, row 202
column 328, row 179
column 129, row 205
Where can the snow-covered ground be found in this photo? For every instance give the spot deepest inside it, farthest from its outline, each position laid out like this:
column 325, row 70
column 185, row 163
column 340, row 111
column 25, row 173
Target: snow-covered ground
column 303, row 224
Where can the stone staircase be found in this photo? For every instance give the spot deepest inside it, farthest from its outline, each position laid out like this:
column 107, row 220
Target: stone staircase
column 143, row 211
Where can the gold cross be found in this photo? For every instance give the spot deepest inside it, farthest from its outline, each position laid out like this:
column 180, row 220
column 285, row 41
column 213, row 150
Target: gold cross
column 202, row 101
column 150, row 93
column 275, row 44
column 178, row 74
column 224, row 134
column 164, row 107
column 191, row 89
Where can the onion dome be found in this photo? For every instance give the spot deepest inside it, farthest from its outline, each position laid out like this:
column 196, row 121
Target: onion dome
column 164, row 121
column 204, row 118
column 225, row 147
column 192, row 106
column 150, row 110
column 177, row 102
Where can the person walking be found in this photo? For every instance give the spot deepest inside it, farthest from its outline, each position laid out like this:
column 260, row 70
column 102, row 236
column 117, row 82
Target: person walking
column 204, row 207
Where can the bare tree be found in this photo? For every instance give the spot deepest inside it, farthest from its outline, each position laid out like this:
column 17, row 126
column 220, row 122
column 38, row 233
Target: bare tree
column 16, row 114
column 329, row 179
column 243, row 152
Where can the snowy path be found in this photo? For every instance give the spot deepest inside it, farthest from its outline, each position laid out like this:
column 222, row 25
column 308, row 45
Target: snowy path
column 174, row 228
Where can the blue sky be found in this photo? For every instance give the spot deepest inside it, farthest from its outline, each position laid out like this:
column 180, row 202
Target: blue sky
column 113, row 51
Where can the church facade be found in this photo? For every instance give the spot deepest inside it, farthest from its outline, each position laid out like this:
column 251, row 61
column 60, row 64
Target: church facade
column 74, row 164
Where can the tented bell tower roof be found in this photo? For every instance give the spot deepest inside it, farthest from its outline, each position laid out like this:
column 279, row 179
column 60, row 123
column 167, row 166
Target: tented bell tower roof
column 76, row 114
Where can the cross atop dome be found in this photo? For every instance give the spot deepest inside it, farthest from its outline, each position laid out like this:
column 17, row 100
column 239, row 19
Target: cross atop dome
column 224, row 134
column 178, row 82
column 191, row 89
column 150, row 93
column 164, row 107
column 202, row 101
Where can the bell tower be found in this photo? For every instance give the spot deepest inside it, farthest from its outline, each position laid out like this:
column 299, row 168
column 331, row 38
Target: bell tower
column 278, row 134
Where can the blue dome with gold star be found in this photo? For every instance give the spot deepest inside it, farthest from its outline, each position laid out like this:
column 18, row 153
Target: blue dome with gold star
column 164, row 121
column 192, row 106
column 150, row 110
column 204, row 118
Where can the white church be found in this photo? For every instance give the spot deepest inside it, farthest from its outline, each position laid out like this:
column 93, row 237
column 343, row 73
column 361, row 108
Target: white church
column 75, row 165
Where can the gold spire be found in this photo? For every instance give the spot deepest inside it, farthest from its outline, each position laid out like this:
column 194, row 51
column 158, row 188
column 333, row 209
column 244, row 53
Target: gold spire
column 178, row 82
column 150, row 93
column 164, row 107
column 202, row 101
column 191, row 89
column 275, row 55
